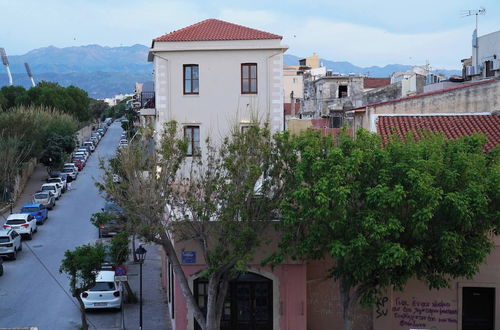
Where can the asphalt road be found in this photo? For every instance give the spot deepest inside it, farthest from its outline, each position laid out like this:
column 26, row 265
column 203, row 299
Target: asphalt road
column 32, row 291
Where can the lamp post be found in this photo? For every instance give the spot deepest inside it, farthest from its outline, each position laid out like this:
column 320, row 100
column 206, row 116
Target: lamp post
column 141, row 255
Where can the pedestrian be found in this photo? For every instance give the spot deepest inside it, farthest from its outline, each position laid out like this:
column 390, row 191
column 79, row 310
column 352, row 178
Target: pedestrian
column 69, row 181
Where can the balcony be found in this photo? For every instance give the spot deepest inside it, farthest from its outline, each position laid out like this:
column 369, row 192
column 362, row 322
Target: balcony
column 148, row 105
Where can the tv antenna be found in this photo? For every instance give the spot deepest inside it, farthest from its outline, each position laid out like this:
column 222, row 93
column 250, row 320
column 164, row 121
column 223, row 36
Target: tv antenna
column 5, row 61
column 30, row 74
column 475, row 44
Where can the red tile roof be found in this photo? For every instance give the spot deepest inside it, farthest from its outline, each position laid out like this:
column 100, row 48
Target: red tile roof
column 483, row 82
column 454, row 126
column 214, row 29
column 376, row 82
column 287, row 108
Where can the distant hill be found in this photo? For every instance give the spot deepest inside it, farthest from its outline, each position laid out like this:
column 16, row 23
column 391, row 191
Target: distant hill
column 107, row 71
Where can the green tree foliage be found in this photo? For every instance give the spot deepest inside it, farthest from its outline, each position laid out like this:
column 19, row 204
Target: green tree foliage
column 220, row 207
column 81, row 265
column 98, row 109
column 34, row 126
column 71, row 100
column 56, row 149
column 423, row 209
column 12, row 154
column 119, row 248
column 9, row 96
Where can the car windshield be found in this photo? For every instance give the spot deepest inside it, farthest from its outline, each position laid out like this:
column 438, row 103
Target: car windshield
column 103, row 286
column 15, row 221
column 29, row 209
column 4, row 239
column 67, row 170
column 41, row 196
column 56, row 180
column 48, row 188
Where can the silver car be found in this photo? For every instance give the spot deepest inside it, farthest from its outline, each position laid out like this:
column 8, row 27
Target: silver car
column 46, row 198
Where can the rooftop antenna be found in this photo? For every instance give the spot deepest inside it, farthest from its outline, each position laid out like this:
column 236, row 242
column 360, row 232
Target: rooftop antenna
column 30, row 74
column 5, row 62
column 475, row 12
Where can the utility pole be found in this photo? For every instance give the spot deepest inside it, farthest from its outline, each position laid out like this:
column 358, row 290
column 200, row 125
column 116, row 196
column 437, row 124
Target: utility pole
column 475, row 44
column 5, row 62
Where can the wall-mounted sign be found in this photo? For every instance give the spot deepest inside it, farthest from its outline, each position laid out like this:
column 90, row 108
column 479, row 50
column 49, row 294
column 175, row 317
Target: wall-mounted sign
column 188, row 257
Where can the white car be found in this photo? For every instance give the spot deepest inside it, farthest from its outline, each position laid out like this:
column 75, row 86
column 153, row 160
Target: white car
column 10, row 243
column 71, row 165
column 82, row 153
column 22, row 223
column 71, row 172
column 89, row 144
column 106, row 293
column 55, row 188
column 63, row 184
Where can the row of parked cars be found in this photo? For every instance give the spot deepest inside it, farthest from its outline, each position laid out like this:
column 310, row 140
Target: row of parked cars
column 24, row 224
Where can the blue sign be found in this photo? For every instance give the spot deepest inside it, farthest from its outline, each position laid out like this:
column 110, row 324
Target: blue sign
column 188, row 257
column 120, row 270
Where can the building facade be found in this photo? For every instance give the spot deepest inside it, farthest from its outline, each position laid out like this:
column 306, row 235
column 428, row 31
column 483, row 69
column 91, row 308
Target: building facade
column 214, row 76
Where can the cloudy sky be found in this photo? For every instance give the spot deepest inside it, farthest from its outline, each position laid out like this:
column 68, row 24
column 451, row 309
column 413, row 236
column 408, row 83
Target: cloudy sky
column 363, row 32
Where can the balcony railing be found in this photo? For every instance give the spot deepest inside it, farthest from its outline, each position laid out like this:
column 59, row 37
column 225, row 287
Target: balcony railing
column 148, row 100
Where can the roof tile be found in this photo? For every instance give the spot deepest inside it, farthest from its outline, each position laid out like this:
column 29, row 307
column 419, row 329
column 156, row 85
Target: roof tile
column 453, row 126
column 213, row 30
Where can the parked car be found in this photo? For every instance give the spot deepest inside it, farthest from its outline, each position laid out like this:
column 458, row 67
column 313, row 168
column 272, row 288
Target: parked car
column 84, row 150
column 94, row 139
column 70, row 165
column 46, row 198
column 52, row 187
column 81, row 153
column 37, row 210
column 116, row 223
column 123, row 141
column 62, row 183
column 23, row 224
column 106, row 293
column 10, row 244
column 71, row 172
column 79, row 159
column 90, row 144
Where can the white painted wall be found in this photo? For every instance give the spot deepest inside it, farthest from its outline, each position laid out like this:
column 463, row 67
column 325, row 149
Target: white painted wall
column 219, row 104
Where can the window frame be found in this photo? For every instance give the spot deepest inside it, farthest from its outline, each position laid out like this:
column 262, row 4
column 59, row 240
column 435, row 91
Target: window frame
column 195, row 149
column 250, row 78
column 184, row 66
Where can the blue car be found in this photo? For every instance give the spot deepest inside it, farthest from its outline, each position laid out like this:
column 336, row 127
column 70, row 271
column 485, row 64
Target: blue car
column 36, row 210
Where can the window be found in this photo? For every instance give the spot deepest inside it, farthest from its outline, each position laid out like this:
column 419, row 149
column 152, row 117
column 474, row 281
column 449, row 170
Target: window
column 191, row 79
column 342, row 91
column 249, row 78
column 192, row 134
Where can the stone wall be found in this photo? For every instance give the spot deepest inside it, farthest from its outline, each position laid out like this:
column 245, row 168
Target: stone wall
column 84, row 134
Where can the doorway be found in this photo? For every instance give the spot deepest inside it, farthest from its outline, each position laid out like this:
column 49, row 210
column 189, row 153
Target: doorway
column 478, row 308
column 248, row 304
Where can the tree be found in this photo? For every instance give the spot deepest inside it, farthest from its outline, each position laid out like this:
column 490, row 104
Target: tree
column 98, row 108
column 57, row 147
column 10, row 95
column 221, row 200
column 81, row 266
column 385, row 214
column 13, row 152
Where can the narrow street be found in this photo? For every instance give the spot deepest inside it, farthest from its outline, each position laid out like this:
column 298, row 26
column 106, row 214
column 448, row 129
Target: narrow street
column 32, row 291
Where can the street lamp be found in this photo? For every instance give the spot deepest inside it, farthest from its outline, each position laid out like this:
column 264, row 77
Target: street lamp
column 141, row 255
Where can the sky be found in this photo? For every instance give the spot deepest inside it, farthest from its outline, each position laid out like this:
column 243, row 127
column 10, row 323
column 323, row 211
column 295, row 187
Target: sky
column 363, row 32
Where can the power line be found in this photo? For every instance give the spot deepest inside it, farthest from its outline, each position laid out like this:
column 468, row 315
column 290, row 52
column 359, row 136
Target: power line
column 57, row 282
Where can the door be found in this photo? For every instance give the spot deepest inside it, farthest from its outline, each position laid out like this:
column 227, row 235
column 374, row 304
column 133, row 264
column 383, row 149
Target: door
column 478, row 308
column 248, row 304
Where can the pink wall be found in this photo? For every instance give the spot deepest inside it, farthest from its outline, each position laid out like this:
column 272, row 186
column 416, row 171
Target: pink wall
column 290, row 304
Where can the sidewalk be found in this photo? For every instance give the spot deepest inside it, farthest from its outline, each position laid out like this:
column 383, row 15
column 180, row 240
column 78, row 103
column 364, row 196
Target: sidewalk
column 154, row 308
column 34, row 183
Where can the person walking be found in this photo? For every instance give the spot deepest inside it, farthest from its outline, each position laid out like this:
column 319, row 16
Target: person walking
column 69, row 181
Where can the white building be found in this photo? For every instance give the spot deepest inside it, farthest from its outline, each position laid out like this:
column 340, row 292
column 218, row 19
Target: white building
column 485, row 61
column 213, row 75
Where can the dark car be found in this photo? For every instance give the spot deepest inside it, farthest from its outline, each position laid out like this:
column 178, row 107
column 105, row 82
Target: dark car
column 115, row 223
column 37, row 210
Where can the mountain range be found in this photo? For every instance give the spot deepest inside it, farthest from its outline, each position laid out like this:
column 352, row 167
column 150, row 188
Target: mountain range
column 107, row 71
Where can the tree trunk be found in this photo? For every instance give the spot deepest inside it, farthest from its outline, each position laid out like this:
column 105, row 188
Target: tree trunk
column 217, row 289
column 133, row 248
column 83, row 316
column 347, row 306
column 193, row 307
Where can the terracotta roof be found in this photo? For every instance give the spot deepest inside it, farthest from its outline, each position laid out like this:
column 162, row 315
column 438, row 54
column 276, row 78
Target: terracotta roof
column 483, row 82
column 214, row 29
column 453, row 126
column 287, row 108
column 376, row 82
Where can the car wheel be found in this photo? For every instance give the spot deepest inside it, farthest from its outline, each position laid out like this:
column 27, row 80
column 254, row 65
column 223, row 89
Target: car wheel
column 13, row 256
column 36, row 230
column 21, row 246
column 1, row 270
column 29, row 236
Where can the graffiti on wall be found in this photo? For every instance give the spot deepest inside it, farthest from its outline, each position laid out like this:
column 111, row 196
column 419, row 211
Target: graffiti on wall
column 419, row 313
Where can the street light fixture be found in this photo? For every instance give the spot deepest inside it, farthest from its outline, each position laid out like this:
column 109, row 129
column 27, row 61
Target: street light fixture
column 141, row 256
